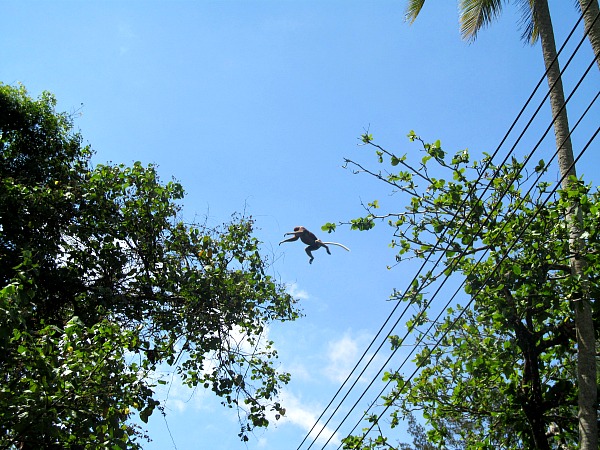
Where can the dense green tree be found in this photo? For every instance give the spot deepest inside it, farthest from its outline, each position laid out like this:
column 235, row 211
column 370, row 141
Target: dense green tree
column 101, row 281
column 498, row 370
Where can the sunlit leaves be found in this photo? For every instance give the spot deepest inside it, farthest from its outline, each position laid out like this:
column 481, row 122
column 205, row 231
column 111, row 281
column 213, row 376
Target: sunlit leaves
column 362, row 223
column 366, row 138
column 62, row 372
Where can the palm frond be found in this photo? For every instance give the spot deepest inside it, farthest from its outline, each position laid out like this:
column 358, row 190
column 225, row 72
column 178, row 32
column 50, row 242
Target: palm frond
column 530, row 32
column 477, row 14
column 413, row 9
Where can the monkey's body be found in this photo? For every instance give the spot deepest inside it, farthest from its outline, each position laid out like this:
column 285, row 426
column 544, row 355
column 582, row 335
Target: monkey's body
column 311, row 240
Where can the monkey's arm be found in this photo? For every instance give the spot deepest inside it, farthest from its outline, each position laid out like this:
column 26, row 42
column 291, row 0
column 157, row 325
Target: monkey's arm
column 338, row 244
column 292, row 239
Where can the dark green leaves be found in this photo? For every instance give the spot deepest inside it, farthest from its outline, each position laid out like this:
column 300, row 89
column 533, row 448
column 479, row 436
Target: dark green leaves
column 541, row 165
column 96, row 265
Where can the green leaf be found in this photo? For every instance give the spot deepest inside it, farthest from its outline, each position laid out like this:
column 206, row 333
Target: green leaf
column 329, row 227
column 366, row 138
column 540, row 166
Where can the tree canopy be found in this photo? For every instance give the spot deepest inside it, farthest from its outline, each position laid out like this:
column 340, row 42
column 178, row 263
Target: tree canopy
column 496, row 367
column 102, row 280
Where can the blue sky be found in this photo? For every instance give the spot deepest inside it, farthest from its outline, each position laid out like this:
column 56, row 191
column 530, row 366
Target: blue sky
column 252, row 106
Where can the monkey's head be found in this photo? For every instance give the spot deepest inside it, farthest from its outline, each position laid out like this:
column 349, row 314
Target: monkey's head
column 299, row 228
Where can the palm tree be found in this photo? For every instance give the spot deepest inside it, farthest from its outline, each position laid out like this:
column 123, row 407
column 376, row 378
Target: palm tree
column 592, row 24
column 477, row 14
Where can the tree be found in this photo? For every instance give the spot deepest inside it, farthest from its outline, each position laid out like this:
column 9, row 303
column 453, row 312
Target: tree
column 537, row 22
column 102, row 281
column 591, row 19
column 481, row 13
column 499, row 371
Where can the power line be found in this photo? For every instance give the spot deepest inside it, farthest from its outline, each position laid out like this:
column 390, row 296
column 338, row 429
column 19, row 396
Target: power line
column 425, row 262
column 486, row 280
column 459, row 287
column 592, row 63
column 479, row 261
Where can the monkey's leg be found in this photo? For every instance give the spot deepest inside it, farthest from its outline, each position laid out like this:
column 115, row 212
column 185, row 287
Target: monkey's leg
column 326, row 248
column 309, row 251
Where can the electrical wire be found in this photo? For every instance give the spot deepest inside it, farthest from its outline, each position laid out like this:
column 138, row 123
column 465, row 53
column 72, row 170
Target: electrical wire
column 374, row 422
column 423, row 265
column 460, row 286
column 393, row 311
column 592, row 63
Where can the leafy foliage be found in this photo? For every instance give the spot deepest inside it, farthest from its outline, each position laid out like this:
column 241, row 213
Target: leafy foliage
column 102, row 282
column 499, row 372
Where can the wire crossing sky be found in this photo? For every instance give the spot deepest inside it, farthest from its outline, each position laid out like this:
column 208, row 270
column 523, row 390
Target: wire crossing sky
column 420, row 270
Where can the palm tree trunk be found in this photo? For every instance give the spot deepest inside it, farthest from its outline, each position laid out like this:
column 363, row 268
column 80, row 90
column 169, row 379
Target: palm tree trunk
column 586, row 344
column 592, row 24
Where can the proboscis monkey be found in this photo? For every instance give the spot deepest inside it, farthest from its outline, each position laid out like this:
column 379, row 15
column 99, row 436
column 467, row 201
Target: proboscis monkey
column 311, row 240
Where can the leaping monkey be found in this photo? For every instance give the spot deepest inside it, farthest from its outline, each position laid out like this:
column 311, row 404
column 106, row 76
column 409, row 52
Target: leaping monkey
column 311, row 240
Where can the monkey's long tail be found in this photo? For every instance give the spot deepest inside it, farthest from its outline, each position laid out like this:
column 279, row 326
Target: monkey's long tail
column 338, row 244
